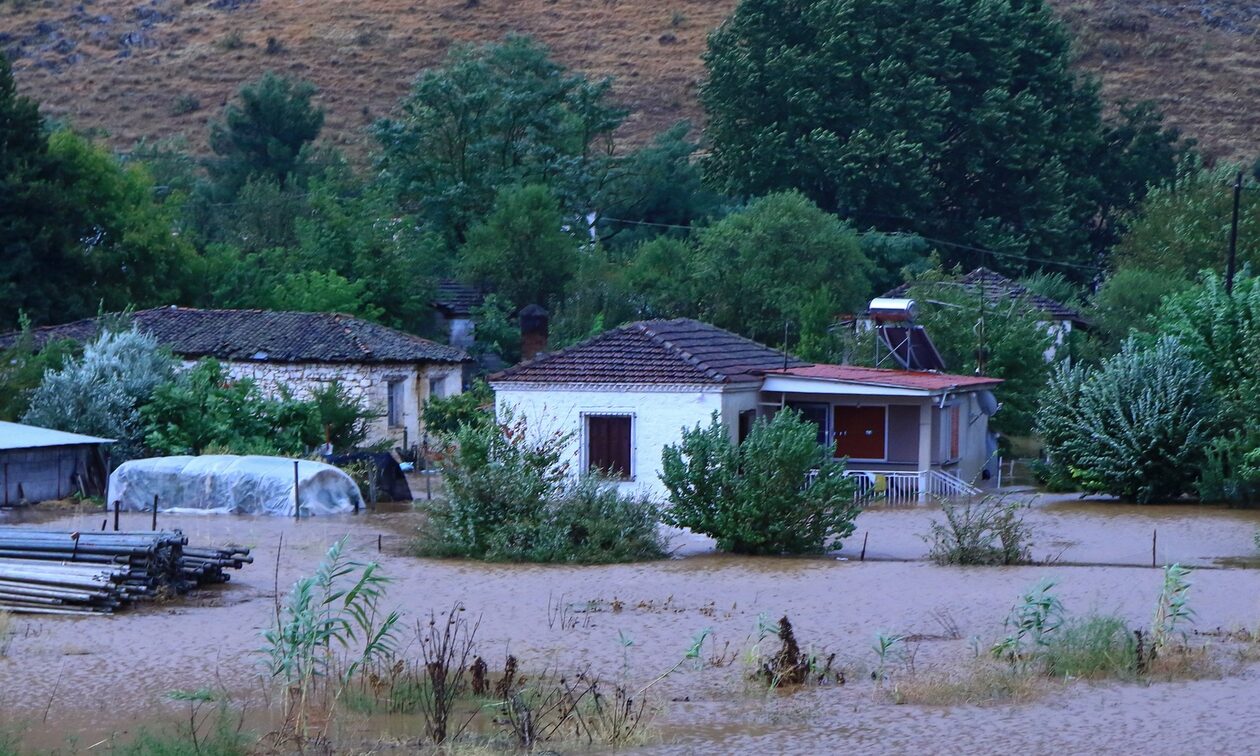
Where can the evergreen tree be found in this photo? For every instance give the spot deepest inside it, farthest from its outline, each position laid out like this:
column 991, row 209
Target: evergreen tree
column 264, row 134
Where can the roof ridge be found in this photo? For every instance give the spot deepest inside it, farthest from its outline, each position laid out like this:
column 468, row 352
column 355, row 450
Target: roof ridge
column 690, row 358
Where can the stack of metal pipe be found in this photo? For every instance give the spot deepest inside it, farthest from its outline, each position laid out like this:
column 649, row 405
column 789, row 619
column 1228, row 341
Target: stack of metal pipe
column 59, row 572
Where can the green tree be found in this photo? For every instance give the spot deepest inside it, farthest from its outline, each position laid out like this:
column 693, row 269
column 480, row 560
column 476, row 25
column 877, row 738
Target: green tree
column 1009, row 332
column 265, row 134
column 1128, row 300
column 323, row 291
column 957, row 120
column 1137, row 427
column 521, row 250
column 22, row 368
column 760, row 267
column 778, row 492
column 1183, row 228
column 493, row 116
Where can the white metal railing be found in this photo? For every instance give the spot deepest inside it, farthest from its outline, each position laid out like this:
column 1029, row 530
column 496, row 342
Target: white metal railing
column 906, row 487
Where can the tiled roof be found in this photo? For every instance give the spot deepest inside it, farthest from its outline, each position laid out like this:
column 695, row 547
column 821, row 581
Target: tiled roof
column 911, row 379
column 998, row 287
column 679, row 351
column 455, row 298
column 266, row 336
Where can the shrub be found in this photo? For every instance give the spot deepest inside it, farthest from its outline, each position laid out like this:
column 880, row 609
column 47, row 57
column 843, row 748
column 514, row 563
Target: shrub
column 1097, row 646
column 203, row 409
column 22, row 368
column 1137, row 427
column 100, row 393
column 509, row 498
column 445, row 415
column 988, row 531
column 777, row 493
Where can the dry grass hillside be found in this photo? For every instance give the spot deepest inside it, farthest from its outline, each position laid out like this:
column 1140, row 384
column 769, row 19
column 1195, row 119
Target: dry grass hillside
column 153, row 68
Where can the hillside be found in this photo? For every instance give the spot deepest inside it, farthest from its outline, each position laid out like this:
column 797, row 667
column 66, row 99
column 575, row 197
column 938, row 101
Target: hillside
column 163, row 67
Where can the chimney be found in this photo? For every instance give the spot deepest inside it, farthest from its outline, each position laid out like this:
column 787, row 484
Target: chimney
column 533, row 322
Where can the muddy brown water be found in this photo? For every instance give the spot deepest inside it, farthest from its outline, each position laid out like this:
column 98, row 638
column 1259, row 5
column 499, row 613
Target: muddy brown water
column 85, row 679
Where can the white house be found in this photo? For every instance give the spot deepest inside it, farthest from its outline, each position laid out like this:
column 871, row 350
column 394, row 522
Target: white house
column 392, row 372
column 628, row 392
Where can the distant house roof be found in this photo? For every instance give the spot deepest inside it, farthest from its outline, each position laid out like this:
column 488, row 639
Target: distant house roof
column 908, row 379
column 266, row 336
column 457, row 299
column 998, row 287
column 18, row 436
column 680, row 351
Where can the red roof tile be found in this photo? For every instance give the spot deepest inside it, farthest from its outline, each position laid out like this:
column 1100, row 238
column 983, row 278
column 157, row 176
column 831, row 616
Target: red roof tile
column 679, row 351
column 909, row 379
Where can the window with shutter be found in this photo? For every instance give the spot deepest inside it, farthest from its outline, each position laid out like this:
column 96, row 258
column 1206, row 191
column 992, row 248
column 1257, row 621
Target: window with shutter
column 608, row 445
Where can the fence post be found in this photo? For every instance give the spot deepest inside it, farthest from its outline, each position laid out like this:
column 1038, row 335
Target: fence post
column 155, row 506
column 117, row 507
column 297, row 502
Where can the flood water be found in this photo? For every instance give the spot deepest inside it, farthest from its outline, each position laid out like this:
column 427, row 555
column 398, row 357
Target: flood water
column 85, row 678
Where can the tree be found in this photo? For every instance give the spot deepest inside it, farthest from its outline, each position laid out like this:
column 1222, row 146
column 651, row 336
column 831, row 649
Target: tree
column 493, row 116
column 1183, row 227
column 760, row 267
column 323, row 291
column 1128, row 300
column 22, row 368
column 957, row 120
column 82, row 232
column 521, row 251
column 264, row 134
column 778, row 492
column 1137, row 427
column 101, row 393
column 1015, row 342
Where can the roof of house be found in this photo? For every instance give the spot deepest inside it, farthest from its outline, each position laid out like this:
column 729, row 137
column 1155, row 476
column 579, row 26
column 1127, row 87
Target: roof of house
column 458, row 299
column 908, row 379
column 998, row 287
column 266, row 336
column 18, row 436
column 679, row 351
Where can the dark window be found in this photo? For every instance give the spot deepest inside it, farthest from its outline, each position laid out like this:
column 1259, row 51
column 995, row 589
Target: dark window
column 394, row 410
column 815, row 413
column 746, row 420
column 608, row 444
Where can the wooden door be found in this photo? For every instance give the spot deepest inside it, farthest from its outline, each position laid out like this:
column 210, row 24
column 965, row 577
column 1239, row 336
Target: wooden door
column 861, row 432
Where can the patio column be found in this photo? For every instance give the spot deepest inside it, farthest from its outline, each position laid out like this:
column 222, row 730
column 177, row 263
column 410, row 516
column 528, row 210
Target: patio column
column 925, row 447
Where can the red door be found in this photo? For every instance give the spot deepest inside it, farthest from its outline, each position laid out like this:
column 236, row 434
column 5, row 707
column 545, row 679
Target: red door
column 860, row 432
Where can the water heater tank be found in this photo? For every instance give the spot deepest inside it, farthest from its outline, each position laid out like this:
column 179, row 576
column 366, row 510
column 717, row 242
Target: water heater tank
column 890, row 309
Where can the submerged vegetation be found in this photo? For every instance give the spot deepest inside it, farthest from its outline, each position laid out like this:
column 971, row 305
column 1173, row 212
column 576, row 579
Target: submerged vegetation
column 988, row 531
column 510, row 498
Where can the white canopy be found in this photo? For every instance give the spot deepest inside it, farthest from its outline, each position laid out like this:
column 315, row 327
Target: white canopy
column 227, row 484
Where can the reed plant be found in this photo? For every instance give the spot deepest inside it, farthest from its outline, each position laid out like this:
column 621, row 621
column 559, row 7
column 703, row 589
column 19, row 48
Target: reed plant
column 329, row 629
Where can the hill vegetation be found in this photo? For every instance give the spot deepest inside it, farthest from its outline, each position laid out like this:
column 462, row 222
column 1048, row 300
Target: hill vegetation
column 156, row 68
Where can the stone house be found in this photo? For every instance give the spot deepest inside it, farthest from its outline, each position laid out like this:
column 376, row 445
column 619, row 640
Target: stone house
column 393, row 372
column 628, row 392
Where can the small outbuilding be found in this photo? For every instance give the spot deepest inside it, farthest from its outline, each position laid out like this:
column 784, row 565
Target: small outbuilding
column 40, row 464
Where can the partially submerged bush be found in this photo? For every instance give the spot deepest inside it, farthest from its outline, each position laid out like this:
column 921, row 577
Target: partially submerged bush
column 778, row 492
column 988, row 531
column 510, row 498
column 1137, row 427
column 444, row 415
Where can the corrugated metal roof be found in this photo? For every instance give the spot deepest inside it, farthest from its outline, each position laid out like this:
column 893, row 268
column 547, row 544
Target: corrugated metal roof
column 17, row 436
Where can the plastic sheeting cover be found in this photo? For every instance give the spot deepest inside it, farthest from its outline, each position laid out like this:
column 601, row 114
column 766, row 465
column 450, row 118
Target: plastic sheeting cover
column 227, row 484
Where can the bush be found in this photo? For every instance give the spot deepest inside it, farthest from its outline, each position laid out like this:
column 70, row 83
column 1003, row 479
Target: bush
column 1138, row 427
column 509, row 498
column 203, row 409
column 22, row 368
column 989, row 531
column 1095, row 647
column 445, row 415
column 777, row 493
column 100, row 394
